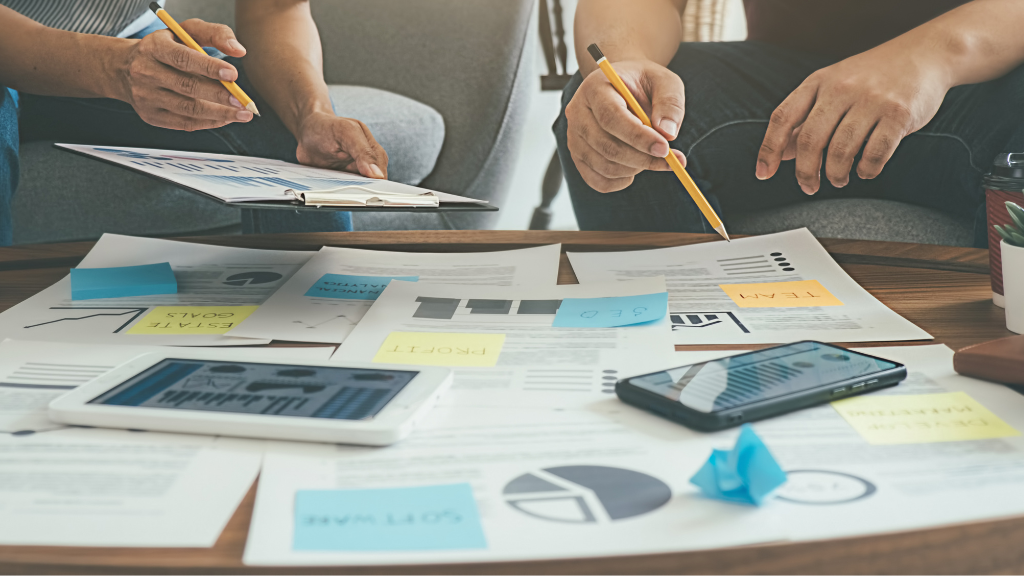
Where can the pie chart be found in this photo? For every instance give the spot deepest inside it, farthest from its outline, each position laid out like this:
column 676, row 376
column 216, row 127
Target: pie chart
column 247, row 278
column 586, row 494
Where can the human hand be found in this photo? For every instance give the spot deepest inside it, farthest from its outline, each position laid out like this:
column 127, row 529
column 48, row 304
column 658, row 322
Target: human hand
column 609, row 144
column 173, row 86
column 328, row 141
column 872, row 101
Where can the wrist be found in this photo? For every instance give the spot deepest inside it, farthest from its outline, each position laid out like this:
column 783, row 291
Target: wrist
column 307, row 114
column 113, row 80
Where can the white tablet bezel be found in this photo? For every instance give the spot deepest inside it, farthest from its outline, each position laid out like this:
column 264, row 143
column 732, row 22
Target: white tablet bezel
column 394, row 421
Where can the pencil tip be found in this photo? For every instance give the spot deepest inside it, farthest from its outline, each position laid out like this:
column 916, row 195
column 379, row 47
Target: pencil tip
column 723, row 233
column 251, row 107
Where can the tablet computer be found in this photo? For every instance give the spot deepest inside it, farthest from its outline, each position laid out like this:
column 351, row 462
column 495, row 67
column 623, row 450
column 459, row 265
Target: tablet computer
column 209, row 392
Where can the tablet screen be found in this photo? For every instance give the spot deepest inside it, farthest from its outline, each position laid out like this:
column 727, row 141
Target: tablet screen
column 251, row 388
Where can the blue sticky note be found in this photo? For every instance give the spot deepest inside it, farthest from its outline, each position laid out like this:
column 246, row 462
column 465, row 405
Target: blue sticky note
column 611, row 312
column 746, row 474
column 90, row 283
column 348, row 287
column 441, row 517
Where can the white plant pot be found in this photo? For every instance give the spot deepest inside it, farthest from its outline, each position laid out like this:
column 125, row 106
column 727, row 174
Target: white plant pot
column 1013, row 286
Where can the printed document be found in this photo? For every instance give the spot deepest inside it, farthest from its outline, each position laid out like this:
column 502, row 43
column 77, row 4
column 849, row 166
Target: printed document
column 770, row 289
column 247, row 179
column 328, row 296
column 217, row 288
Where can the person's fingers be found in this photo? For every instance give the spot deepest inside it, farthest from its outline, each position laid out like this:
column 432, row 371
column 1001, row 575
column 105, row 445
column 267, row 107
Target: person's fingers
column 218, row 36
column 191, row 86
column 166, row 119
column 610, row 169
column 613, row 149
column 197, row 109
column 846, row 143
column 810, row 144
column 183, row 58
column 613, row 115
column 790, row 114
column 880, row 147
column 600, row 183
column 790, row 152
column 668, row 102
column 368, row 157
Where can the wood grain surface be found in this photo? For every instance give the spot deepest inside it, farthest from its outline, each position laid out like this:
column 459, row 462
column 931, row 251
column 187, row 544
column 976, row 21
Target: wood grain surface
column 944, row 290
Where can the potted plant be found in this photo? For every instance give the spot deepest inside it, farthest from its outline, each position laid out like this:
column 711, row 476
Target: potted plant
column 1012, row 247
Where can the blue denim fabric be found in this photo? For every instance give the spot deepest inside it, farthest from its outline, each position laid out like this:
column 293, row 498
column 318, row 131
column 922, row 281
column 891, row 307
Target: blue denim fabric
column 8, row 161
column 732, row 89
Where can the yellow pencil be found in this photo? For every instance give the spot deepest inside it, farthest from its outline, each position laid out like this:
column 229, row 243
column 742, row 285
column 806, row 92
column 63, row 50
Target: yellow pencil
column 187, row 40
column 673, row 162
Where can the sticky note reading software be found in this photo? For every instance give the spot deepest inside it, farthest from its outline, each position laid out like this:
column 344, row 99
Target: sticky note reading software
column 440, row 349
column 921, row 418
column 348, row 287
column 802, row 294
column 441, row 517
column 191, row 319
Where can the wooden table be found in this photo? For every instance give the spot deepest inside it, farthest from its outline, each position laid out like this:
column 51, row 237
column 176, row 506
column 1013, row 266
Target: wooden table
column 943, row 290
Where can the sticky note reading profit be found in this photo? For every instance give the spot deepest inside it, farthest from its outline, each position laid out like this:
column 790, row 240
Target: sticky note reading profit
column 611, row 312
column 802, row 294
column 440, row 349
column 418, row 518
column 920, row 418
column 347, row 287
column 124, row 281
column 171, row 320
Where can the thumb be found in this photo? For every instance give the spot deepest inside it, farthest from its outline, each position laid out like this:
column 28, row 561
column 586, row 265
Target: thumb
column 668, row 103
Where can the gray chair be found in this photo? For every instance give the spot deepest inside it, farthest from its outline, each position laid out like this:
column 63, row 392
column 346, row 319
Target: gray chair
column 443, row 85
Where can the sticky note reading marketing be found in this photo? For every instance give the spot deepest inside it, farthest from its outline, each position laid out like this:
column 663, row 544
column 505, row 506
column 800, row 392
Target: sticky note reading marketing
column 347, row 287
column 920, row 418
column 418, row 518
column 440, row 349
column 123, row 281
column 611, row 312
column 801, row 294
column 191, row 319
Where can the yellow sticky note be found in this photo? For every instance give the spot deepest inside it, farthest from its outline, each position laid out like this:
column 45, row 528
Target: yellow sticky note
column 916, row 419
column 801, row 294
column 176, row 320
column 440, row 349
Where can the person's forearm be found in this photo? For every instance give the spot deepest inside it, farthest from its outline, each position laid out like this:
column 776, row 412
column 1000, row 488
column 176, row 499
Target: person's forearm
column 284, row 59
column 628, row 30
column 41, row 60
column 976, row 42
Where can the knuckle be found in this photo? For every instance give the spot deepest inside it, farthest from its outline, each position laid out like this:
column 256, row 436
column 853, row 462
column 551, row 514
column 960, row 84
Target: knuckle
column 607, row 148
column 780, row 115
column 181, row 59
column 898, row 112
column 804, row 175
column 188, row 84
column 807, row 141
column 767, row 148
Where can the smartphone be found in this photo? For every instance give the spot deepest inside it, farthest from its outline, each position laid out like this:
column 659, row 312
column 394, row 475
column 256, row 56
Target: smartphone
column 756, row 385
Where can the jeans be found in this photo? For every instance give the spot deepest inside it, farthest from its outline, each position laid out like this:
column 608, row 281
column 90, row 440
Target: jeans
column 732, row 89
column 8, row 161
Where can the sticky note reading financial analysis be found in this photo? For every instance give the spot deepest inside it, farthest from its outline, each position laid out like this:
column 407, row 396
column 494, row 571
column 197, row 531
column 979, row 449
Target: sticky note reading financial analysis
column 920, row 418
column 347, row 287
column 191, row 319
column 417, row 518
column 802, row 294
column 440, row 349
column 611, row 312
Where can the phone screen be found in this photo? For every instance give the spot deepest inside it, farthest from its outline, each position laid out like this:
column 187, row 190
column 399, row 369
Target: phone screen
column 740, row 380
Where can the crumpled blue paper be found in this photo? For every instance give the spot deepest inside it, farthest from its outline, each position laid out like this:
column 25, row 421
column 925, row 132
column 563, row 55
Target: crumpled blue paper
column 746, row 474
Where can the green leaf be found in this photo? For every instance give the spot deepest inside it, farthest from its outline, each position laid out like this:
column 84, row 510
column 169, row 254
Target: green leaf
column 1018, row 240
column 1006, row 235
column 1017, row 213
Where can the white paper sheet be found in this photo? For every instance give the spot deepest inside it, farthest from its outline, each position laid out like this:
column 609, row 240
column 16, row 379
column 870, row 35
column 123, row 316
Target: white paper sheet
column 291, row 315
column 207, row 276
column 93, row 487
column 34, row 373
column 244, row 178
column 702, row 313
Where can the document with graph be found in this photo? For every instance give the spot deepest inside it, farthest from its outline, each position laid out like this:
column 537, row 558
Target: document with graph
column 240, row 179
column 769, row 289
column 328, row 296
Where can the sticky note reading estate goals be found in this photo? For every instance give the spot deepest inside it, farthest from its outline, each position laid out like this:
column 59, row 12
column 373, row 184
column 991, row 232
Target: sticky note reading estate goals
column 921, row 418
column 441, row 349
column 172, row 320
column 801, row 294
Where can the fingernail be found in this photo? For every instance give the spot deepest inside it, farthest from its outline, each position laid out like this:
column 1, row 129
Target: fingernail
column 226, row 74
column 659, row 149
column 762, row 170
column 243, row 115
column 376, row 171
column 807, row 189
column 234, row 45
column 234, row 102
column 669, row 126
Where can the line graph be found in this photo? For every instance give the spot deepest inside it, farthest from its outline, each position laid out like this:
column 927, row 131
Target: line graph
column 136, row 312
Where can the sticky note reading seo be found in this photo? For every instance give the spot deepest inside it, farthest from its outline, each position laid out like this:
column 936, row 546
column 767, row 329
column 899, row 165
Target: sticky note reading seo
column 191, row 319
column 802, row 294
column 921, row 418
column 347, row 287
column 611, row 312
column 440, row 349
column 123, row 281
column 419, row 518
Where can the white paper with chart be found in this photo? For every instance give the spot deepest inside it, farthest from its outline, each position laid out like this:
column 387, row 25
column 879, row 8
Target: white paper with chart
column 218, row 287
column 328, row 296
column 769, row 289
